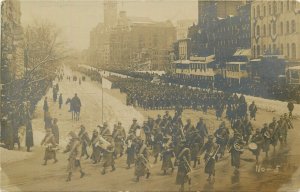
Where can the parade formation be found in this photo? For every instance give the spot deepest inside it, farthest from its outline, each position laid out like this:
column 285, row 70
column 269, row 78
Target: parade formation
column 168, row 140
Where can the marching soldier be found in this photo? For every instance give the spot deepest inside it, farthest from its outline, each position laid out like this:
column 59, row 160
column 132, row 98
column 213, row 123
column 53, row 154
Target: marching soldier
column 183, row 162
column 85, row 140
column 142, row 166
column 104, row 131
column 235, row 146
column 196, row 142
column 167, row 155
column 265, row 131
column 258, row 139
column 108, row 158
column 50, row 146
column 157, row 145
column 96, row 154
column 247, row 129
column 74, row 148
column 134, row 126
column 119, row 137
column 252, row 110
column 222, row 137
column 130, row 151
column 201, row 127
column 211, row 149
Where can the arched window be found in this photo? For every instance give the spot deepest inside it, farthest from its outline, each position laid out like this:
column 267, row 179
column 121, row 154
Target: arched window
column 293, row 23
column 265, row 33
column 270, row 9
column 264, row 48
column 258, row 10
column 254, row 51
column 254, row 12
column 288, row 5
column 281, row 49
column 257, row 30
column 258, row 50
column 274, row 28
column 265, row 11
column 288, row 50
column 281, row 28
column 281, row 6
column 293, row 50
column 287, row 27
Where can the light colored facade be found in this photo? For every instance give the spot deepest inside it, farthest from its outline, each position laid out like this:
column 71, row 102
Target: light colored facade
column 276, row 28
column 183, row 48
column 182, row 28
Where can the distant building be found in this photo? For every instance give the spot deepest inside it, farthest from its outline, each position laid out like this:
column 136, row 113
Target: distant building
column 276, row 29
column 232, row 33
column 135, row 43
column 182, row 27
column 184, row 49
column 141, row 43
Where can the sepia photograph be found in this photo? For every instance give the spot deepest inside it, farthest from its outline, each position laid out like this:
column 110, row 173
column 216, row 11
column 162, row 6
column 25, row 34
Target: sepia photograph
column 150, row 95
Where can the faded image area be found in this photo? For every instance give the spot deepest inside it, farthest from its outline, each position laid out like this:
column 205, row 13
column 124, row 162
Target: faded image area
column 147, row 95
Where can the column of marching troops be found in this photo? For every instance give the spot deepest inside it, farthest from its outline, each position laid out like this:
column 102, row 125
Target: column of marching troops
column 165, row 138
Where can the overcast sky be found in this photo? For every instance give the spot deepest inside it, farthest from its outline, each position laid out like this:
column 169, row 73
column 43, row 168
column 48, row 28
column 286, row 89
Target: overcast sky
column 77, row 17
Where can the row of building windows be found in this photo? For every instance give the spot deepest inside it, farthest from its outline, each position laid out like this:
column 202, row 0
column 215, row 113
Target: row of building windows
column 232, row 28
column 289, row 26
column 290, row 50
column 274, row 8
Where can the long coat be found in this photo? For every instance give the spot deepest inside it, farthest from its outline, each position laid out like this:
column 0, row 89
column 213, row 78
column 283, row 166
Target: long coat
column 50, row 143
column 183, row 166
column 74, row 148
column 29, row 135
column 55, row 132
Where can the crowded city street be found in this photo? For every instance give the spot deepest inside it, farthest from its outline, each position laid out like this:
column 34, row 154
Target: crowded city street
column 37, row 176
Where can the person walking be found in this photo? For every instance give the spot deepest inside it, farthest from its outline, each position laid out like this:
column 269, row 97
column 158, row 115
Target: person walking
column 60, row 100
column 29, row 135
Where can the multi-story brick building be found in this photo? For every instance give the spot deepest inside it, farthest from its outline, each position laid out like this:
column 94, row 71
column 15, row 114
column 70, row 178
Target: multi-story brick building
column 276, row 28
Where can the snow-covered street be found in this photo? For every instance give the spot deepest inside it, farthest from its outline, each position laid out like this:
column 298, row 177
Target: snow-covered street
column 35, row 177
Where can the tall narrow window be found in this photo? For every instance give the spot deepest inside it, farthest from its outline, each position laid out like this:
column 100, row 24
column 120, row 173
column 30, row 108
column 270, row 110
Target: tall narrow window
column 281, row 28
column 287, row 27
column 258, row 50
column 274, row 28
column 270, row 9
column 281, row 49
column 293, row 50
column 254, row 51
column 281, row 6
column 265, row 11
column 293, row 26
column 265, row 33
column 254, row 12
column 258, row 30
column 274, row 7
column 288, row 5
column 288, row 50
column 270, row 30
column 258, row 11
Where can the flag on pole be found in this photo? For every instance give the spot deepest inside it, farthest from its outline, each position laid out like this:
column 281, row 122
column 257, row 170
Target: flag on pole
column 106, row 84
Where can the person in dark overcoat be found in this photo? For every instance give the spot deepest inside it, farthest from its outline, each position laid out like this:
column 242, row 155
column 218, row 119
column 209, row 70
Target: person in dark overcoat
column 29, row 135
